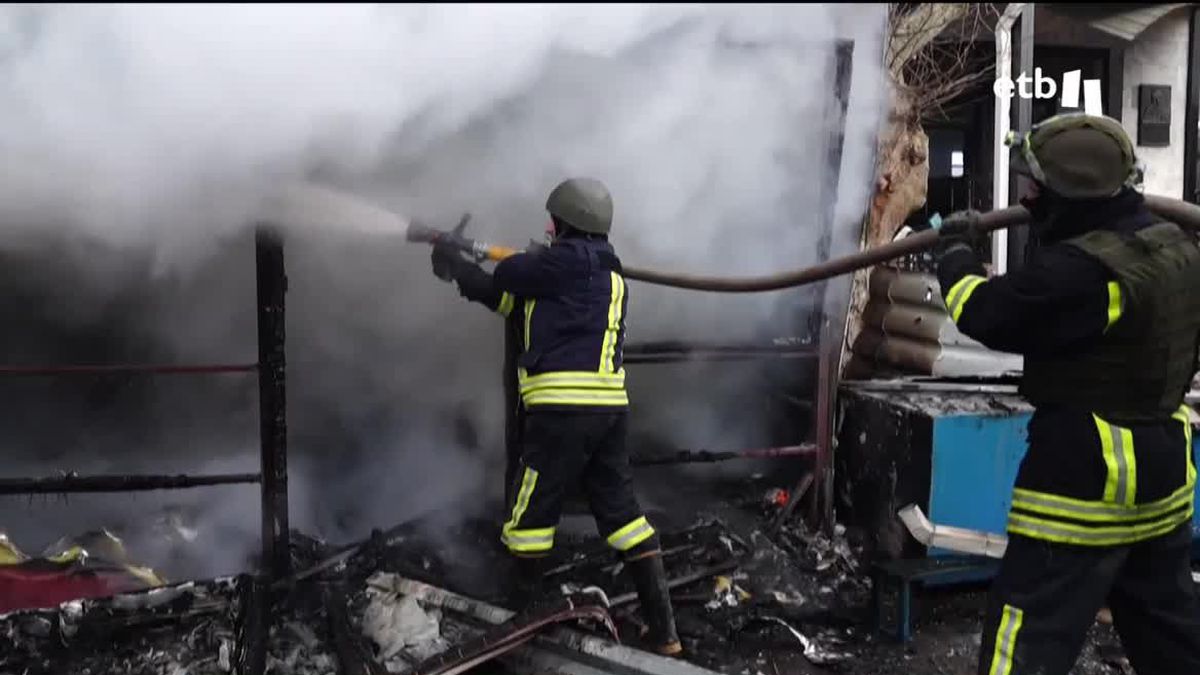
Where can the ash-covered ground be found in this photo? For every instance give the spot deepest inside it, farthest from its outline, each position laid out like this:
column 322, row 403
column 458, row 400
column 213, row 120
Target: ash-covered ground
column 758, row 602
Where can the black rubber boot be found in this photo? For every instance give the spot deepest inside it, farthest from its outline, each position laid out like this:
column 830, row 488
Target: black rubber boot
column 651, row 582
column 526, row 583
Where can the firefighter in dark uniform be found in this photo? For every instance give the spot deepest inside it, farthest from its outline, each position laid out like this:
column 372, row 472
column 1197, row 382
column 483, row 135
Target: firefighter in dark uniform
column 1106, row 312
column 572, row 299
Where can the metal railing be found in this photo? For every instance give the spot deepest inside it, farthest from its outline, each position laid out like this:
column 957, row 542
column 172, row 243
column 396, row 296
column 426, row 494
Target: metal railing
column 272, row 476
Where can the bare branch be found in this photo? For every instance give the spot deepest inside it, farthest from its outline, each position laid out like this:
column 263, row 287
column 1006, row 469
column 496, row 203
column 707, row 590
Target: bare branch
column 930, row 64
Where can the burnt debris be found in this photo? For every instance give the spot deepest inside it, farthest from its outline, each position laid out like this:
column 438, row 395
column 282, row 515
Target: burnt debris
column 420, row 599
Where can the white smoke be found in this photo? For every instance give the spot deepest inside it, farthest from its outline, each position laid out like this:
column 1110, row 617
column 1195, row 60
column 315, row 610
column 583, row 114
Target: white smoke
column 137, row 141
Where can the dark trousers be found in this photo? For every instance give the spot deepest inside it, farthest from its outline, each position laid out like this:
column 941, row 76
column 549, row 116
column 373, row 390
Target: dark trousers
column 562, row 450
column 1047, row 595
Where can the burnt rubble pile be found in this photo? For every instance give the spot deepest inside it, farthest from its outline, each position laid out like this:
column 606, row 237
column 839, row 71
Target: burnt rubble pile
column 179, row 629
column 737, row 595
column 423, row 599
column 434, row 602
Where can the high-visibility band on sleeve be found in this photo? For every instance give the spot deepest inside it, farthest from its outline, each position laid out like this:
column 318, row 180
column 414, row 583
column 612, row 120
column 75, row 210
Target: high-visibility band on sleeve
column 507, row 302
column 1115, row 304
column 960, row 292
column 636, row 532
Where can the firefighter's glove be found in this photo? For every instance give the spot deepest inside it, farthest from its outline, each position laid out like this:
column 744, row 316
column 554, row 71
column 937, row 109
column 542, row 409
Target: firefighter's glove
column 960, row 231
column 447, row 261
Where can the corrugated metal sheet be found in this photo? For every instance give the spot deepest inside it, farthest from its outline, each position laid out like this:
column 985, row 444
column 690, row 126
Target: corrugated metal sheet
column 1124, row 20
column 906, row 330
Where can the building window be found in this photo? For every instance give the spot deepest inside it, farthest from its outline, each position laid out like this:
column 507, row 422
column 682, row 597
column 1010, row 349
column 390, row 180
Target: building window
column 956, row 164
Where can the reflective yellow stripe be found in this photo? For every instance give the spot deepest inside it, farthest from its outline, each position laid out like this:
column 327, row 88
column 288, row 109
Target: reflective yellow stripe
column 541, row 539
column 1126, row 448
column 573, row 380
column 1063, row 507
column 603, row 387
column 1116, row 444
column 528, row 319
column 1006, row 641
column 528, row 482
column 960, row 292
column 631, row 535
column 569, row 396
column 1183, row 416
column 506, row 304
column 1114, row 304
column 1065, row 533
column 529, row 541
column 608, row 347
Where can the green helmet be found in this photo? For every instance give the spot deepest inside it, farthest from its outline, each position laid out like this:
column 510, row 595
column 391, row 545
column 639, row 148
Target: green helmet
column 1079, row 156
column 583, row 203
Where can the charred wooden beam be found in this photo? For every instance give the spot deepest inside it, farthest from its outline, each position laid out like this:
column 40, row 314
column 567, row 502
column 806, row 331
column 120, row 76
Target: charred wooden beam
column 272, row 399
column 126, row 369
column 697, row 456
column 672, row 584
column 567, row 567
column 253, row 628
column 72, row 483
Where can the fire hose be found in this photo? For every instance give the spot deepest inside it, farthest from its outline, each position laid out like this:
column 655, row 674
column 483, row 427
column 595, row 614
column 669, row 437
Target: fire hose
column 1177, row 211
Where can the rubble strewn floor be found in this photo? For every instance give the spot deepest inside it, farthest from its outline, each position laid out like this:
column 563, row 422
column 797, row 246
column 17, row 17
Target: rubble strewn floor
column 794, row 602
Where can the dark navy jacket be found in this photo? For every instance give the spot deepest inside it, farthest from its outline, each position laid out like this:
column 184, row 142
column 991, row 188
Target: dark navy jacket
column 570, row 299
column 1063, row 300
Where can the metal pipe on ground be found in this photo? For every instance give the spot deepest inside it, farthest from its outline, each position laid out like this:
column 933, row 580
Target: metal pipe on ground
column 72, row 483
column 126, row 369
column 557, row 645
column 678, row 582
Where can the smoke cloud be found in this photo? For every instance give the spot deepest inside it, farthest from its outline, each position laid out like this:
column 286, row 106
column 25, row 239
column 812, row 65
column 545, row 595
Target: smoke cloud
column 138, row 143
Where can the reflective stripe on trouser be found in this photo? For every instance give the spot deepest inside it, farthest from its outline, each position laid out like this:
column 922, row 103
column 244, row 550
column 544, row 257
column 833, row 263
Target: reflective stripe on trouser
column 517, row 539
column 1059, row 588
column 1116, row 519
column 1006, row 641
column 561, row 452
column 632, row 534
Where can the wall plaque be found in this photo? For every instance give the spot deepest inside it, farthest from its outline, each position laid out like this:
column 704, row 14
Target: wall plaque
column 1154, row 115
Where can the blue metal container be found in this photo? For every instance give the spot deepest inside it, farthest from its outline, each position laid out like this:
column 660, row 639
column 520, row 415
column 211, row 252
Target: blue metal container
column 955, row 453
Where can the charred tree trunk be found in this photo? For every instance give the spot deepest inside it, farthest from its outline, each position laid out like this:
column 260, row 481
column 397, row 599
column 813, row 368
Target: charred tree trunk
column 925, row 72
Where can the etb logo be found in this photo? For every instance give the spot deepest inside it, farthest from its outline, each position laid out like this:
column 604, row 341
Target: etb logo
column 1046, row 87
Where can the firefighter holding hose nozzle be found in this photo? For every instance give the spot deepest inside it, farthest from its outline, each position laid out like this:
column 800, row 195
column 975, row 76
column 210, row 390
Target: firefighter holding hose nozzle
column 1106, row 312
column 571, row 299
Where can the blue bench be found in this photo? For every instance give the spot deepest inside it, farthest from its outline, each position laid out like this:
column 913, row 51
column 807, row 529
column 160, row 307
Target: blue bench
column 903, row 574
